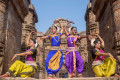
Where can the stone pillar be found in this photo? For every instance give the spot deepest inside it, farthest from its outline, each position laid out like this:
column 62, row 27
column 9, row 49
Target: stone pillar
column 2, row 21
column 92, row 27
column 116, row 16
column 40, row 58
column 84, row 52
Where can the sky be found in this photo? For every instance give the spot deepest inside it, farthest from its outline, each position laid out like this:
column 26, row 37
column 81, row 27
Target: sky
column 49, row 10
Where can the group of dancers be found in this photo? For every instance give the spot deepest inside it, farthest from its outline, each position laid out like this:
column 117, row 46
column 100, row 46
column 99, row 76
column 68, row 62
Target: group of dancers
column 104, row 64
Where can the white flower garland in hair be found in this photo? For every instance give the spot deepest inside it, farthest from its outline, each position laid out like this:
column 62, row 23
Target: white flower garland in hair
column 58, row 29
column 92, row 42
column 69, row 30
column 36, row 44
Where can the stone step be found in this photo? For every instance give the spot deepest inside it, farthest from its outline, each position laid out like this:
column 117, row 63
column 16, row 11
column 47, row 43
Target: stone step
column 86, row 78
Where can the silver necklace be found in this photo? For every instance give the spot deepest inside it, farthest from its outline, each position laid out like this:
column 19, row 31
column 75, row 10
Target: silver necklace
column 71, row 40
column 55, row 39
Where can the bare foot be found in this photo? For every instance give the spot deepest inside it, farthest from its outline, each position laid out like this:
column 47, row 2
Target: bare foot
column 116, row 75
column 5, row 75
column 54, row 77
column 49, row 78
column 72, row 75
column 79, row 75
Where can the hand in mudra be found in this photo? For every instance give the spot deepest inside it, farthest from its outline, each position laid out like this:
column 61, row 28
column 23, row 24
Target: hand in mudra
column 71, row 22
column 34, row 32
column 95, row 35
column 90, row 37
column 13, row 57
column 112, row 56
column 56, row 21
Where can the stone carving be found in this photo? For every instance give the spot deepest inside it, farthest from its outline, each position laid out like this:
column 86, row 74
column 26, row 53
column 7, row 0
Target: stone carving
column 91, row 28
column 2, row 43
column 11, row 18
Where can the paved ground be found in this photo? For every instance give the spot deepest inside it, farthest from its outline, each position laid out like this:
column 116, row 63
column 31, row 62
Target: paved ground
column 87, row 78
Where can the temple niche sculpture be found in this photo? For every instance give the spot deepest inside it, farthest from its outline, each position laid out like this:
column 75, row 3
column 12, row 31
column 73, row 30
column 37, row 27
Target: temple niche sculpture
column 104, row 16
column 63, row 73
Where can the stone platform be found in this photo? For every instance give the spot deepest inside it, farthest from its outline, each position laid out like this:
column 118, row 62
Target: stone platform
column 86, row 78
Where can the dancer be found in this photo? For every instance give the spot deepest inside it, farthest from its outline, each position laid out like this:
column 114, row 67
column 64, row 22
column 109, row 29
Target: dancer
column 27, row 69
column 102, row 67
column 73, row 60
column 54, row 59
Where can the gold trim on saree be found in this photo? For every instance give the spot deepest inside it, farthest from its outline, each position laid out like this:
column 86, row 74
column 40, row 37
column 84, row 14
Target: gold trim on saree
column 74, row 57
column 97, row 62
column 55, row 48
column 30, row 63
column 54, row 61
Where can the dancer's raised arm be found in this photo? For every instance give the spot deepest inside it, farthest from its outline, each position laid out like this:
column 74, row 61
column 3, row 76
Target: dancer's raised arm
column 87, row 36
column 28, row 39
column 21, row 54
column 44, row 37
column 104, row 54
column 101, row 40
column 57, row 21
column 65, row 28
column 61, row 27
column 83, row 36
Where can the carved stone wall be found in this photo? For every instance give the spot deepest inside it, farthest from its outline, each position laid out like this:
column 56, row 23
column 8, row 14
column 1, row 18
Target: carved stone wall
column 2, row 42
column 12, row 13
column 115, row 4
column 92, row 27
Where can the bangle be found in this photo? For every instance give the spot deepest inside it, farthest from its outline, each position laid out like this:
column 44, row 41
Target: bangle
column 15, row 55
column 109, row 54
column 8, row 73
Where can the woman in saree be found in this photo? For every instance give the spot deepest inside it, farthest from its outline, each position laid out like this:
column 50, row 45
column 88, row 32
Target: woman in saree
column 104, row 64
column 54, row 59
column 73, row 59
column 27, row 69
